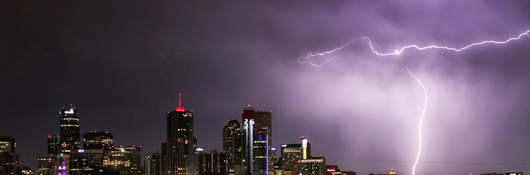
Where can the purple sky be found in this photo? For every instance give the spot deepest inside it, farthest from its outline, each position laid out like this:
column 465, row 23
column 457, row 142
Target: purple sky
column 124, row 62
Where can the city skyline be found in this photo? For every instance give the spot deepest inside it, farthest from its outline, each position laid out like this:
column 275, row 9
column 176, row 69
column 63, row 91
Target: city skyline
column 123, row 64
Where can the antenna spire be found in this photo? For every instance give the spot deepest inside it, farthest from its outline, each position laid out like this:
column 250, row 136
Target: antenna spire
column 180, row 99
column 180, row 108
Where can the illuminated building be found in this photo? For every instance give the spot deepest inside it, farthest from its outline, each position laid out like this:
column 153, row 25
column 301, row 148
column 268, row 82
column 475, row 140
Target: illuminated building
column 332, row 170
column 248, row 115
column 261, row 152
column 97, row 140
column 8, row 158
column 257, row 125
column 152, row 164
column 45, row 164
column 8, row 163
column 306, row 148
column 86, row 161
column 290, row 154
column 69, row 129
column 61, row 166
column 7, row 145
column 25, row 171
column 125, row 159
column 181, row 158
column 312, row 166
column 234, row 147
column 263, row 120
column 391, row 172
column 348, row 173
column 510, row 173
column 211, row 162
column 54, row 143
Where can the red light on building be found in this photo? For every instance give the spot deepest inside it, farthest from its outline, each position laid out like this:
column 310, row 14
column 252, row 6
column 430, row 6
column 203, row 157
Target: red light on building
column 180, row 108
column 331, row 170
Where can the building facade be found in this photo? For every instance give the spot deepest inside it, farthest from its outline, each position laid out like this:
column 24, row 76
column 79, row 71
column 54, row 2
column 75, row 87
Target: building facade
column 234, row 147
column 69, row 130
column 181, row 142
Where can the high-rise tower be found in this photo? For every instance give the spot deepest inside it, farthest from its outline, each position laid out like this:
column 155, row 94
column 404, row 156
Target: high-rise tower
column 234, row 147
column 69, row 129
column 180, row 153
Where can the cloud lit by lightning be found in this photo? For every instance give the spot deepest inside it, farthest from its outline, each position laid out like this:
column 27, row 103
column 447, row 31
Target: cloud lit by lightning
column 308, row 60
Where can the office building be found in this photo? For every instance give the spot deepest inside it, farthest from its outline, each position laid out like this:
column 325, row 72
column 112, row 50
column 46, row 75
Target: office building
column 181, row 142
column 248, row 115
column 7, row 145
column 261, row 152
column 152, row 164
column 86, row 161
column 234, row 147
column 312, row 166
column 125, row 159
column 69, row 129
column 97, row 140
column 54, row 143
column 211, row 162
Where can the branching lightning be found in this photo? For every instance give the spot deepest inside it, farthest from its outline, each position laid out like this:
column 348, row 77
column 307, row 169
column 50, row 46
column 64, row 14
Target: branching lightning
column 309, row 56
column 422, row 116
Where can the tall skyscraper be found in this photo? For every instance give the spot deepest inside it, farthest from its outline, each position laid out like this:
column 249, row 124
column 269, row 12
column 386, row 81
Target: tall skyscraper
column 234, row 147
column 263, row 120
column 248, row 115
column 257, row 125
column 69, row 129
column 181, row 158
column 261, row 152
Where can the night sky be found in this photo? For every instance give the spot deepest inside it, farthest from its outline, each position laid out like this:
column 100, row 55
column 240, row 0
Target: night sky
column 124, row 62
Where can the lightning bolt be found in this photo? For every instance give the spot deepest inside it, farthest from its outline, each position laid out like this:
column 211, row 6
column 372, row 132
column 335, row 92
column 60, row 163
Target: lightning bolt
column 422, row 116
column 307, row 60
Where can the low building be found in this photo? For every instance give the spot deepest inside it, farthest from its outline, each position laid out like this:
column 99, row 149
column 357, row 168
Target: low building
column 312, row 166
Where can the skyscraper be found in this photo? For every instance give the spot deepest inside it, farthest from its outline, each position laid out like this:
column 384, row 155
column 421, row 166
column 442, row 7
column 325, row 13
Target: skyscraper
column 69, row 129
column 248, row 115
column 261, row 152
column 263, row 120
column 181, row 158
column 234, row 146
